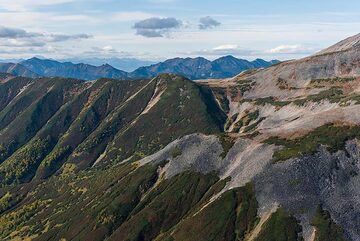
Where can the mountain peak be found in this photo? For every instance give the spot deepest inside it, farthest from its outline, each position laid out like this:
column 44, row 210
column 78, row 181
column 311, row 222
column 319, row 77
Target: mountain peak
column 107, row 66
column 227, row 58
column 344, row 45
column 34, row 59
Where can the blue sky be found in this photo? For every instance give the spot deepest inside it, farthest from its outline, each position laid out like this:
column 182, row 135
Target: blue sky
column 159, row 29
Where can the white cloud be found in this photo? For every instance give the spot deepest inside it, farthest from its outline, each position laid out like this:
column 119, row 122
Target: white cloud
column 291, row 49
column 227, row 47
column 18, row 38
column 221, row 50
column 156, row 27
column 208, row 22
column 16, row 43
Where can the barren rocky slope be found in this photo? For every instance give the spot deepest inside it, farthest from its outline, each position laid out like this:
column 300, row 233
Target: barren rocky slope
column 271, row 154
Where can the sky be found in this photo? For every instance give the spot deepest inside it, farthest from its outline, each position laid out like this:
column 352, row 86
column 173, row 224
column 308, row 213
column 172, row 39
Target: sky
column 161, row 29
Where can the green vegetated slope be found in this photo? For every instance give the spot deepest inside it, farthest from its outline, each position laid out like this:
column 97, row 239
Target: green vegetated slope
column 10, row 89
column 310, row 143
column 325, row 227
column 281, row 226
column 50, row 122
column 183, row 108
column 127, row 202
column 53, row 131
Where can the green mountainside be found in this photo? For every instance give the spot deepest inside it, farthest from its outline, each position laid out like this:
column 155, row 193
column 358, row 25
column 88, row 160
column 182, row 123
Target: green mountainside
column 269, row 155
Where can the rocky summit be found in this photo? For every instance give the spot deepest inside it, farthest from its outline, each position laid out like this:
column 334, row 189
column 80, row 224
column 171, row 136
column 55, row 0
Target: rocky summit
column 270, row 154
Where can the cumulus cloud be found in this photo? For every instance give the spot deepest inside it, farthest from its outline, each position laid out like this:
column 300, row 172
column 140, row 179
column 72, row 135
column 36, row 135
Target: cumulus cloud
column 15, row 33
column 106, row 50
column 156, row 27
column 15, row 37
column 16, row 43
column 208, row 22
column 226, row 49
column 64, row 37
column 291, row 49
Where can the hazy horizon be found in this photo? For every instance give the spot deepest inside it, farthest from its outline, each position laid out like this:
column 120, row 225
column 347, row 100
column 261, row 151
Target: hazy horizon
column 156, row 30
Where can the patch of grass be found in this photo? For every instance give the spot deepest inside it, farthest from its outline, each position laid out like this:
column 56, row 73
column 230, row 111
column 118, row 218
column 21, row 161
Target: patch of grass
column 230, row 217
column 325, row 227
column 332, row 80
column 229, row 122
column 22, row 166
column 216, row 188
column 236, row 93
column 294, row 182
column 252, row 127
column 284, row 85
column 281, row 226
column 334, row 95
column 53, row 161
column 351, row 98
column 227, row 143
column 165, row 206
column 5, row 202
column 14, row 221
column 246, row 120
column 272, row 101
column 330, row 135
column 176, row 152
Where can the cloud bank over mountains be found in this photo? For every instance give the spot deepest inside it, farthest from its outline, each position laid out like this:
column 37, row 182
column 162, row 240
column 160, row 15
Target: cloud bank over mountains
column 162, row 29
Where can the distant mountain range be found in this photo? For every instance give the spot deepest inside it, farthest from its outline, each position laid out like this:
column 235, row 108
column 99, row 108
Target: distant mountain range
column 52, row 68
column 191, row 68
column 201, row 68
column 17, row 70
column 125, row 64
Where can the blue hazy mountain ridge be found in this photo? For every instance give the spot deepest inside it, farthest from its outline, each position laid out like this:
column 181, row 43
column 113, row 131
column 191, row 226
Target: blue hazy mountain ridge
column 125, row 64
column 191, row 68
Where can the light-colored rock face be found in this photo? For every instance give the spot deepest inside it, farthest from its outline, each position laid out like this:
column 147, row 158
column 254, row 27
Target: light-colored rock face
column 305, row 91
column 202, row 153
column 244, row 161
column 293, row 120
column 194, row 152
column 341, row 60
column 300, row 184
column 298, row 74
column 346, row 44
